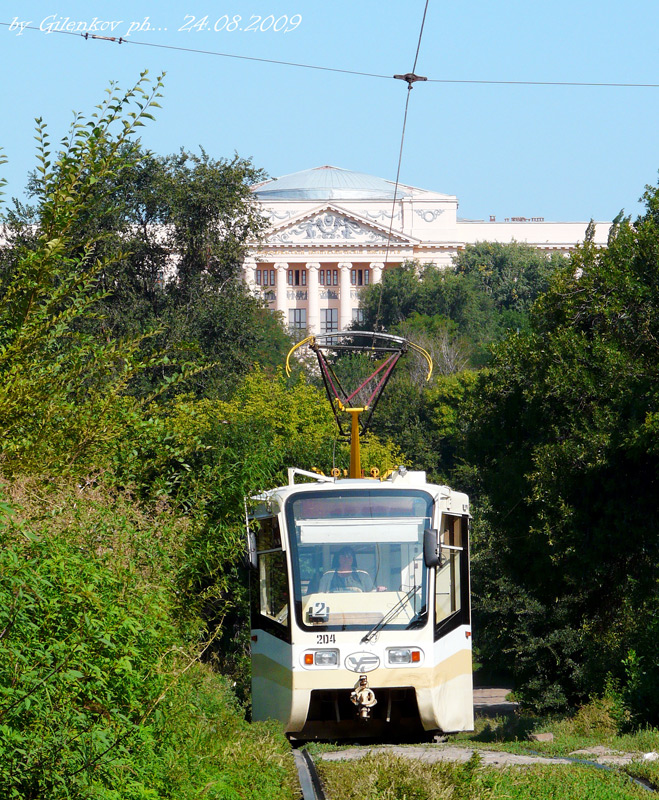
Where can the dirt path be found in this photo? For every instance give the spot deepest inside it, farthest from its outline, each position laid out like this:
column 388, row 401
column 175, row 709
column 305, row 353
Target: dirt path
column 489, row 701
column 431, row 753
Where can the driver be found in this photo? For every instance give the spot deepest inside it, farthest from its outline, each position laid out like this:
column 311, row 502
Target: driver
column 343, row 577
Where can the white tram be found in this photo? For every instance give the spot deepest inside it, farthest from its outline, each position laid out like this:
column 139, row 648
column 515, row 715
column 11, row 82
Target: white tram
column 386, row 653
column 360, row 607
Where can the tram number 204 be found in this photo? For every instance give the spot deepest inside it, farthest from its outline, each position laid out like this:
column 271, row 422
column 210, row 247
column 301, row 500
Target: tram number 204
column 325, row 638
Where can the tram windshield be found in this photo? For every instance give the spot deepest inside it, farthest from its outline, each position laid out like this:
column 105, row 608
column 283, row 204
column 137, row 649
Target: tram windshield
column 358, row 558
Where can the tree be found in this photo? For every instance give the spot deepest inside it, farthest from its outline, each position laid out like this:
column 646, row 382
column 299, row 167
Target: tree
column 450, row 352
column 63, row 386
column 173, row 232
column 561, row 434
column 514, row 275
column 489, row 292
column 426, row 423
column 193, row 218
column 390, row 302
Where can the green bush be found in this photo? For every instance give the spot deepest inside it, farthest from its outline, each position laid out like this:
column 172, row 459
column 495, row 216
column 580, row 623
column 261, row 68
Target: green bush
column 80, row 658
column 101, row 691
column 62, row 388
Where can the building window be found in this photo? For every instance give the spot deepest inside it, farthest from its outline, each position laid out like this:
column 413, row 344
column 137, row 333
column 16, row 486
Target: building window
column 358, row 315
column 328, row 277
column 297, row 277
column 329, row 320
column 297, row 319
column 265, row 277
column 359, row 277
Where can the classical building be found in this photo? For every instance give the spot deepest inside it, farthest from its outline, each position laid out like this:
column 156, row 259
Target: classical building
column 334, row 231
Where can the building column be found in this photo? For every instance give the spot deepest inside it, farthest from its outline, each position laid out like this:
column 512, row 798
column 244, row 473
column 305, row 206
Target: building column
column 281, row 301
column 345, row 307
column 249, row 274
column 376, row 271
column 313, row 304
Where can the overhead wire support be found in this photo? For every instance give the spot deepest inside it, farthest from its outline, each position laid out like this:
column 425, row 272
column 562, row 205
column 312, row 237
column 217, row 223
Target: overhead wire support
column 117, row 39
column 410, row 77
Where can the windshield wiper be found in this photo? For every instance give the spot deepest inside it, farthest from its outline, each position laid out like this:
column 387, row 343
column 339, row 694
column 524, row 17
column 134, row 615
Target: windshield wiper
column 418, row 620
column 390, row 614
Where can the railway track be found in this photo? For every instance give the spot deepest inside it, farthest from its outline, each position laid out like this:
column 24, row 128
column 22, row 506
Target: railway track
column 310, row 784
column 488, row 701
column 312, row 789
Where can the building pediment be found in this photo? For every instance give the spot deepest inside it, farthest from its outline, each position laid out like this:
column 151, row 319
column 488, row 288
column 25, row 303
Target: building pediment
column 331, row 225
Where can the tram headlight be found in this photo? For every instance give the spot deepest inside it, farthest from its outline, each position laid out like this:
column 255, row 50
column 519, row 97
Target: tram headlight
column 326, row 658
column 399, row 656
column 321, row 658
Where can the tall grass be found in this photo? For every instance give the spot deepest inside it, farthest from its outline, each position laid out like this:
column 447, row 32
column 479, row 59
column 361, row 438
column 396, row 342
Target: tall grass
column 390, row 777
column 102, row 693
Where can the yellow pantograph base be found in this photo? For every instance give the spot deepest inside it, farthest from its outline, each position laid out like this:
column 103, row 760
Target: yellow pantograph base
column 355, row 450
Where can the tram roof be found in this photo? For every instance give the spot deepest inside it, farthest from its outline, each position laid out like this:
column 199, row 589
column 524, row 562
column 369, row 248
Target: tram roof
column 398, row 481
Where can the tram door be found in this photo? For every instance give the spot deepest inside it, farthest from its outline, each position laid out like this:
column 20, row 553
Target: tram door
column 452, row 584
column 271, row 633
column 454, row 691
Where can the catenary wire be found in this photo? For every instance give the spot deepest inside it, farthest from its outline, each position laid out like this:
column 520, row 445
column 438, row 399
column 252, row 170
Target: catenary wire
column 255, row 58
column 121, row 40
column 300, row 65
column 410, row 84
column 319, row 67
column 418, row 46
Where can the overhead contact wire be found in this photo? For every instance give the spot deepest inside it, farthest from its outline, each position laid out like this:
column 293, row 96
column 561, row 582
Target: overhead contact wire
column 548, row 83
column 400, row 161
column 121, row 40
column 418, row 46
column 262, row 60
column 301, row 65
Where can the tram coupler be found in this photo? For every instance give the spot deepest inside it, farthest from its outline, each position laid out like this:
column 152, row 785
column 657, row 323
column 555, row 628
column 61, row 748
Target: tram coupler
column 363, row 697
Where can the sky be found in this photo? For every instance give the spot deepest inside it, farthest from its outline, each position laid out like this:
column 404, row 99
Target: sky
column 558, row 152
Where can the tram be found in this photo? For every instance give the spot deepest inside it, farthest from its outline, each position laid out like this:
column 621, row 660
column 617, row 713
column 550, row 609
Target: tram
column 360, row 596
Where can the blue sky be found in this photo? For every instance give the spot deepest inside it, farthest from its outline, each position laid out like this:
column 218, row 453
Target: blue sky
column 565, row 153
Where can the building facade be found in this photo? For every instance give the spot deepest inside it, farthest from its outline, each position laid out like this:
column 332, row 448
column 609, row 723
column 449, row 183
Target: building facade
column 334, row 231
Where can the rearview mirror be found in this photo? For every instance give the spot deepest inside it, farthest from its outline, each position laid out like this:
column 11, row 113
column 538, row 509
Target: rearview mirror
column 251, row 548
column 431, row 549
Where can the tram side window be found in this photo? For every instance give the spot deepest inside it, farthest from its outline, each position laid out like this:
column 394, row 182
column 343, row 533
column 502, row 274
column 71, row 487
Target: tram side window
column 268, row 535
column 273, row 580
column 448, row 587
column 273, row 587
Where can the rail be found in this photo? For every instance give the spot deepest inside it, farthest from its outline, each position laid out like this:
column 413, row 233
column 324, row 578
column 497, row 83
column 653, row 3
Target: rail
column 312, row 788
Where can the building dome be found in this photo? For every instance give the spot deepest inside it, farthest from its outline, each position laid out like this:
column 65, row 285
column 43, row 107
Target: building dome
column 328, row 183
